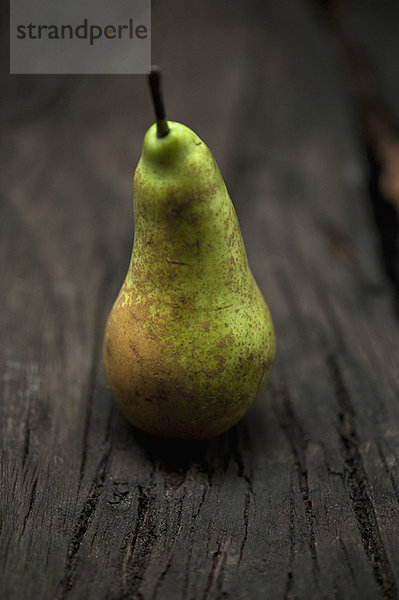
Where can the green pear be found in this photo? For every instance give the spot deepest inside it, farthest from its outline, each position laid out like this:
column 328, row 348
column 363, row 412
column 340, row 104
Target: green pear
column 189, row 342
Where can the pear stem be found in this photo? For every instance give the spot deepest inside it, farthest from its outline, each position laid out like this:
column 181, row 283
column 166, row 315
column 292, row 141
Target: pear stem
column 154, row 79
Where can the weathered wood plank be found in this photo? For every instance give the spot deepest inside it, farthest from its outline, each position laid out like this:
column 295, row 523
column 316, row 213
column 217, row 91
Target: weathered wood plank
column 301, row 499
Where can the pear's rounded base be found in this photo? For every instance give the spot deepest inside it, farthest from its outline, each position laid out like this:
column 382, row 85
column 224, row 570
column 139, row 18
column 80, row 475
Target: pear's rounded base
column 178, row 430
column 187, row 374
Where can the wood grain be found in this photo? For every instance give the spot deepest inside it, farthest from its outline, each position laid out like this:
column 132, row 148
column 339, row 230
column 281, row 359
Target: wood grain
column 300, row 500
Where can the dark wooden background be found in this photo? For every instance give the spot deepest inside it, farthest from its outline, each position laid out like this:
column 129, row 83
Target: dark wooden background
column 298, row 102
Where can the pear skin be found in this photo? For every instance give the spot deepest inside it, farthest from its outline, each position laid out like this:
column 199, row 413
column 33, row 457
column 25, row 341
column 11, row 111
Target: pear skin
column 189, row 342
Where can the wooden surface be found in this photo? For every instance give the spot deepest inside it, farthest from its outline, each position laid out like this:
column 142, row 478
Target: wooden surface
column 301, row 499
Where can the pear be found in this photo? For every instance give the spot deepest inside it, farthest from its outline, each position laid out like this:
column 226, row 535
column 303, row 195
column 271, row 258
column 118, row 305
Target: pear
column 189, row 342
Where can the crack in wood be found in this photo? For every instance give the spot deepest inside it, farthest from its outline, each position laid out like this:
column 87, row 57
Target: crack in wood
column 290, row 575
column 347, row 558
column 249, row 494
column 246, row 525
column 358, row 486
column 201, row 503
column 394, row 482
column 172, row 535
column 82, row 526
column 215, row 580
column 32, row 501
column 298, row 442
column 192, row 532
column 25, row 451
column 162, row 577
column 138, row 545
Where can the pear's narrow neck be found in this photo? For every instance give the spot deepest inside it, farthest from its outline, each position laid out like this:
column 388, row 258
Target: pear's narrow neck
column 188, row 247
